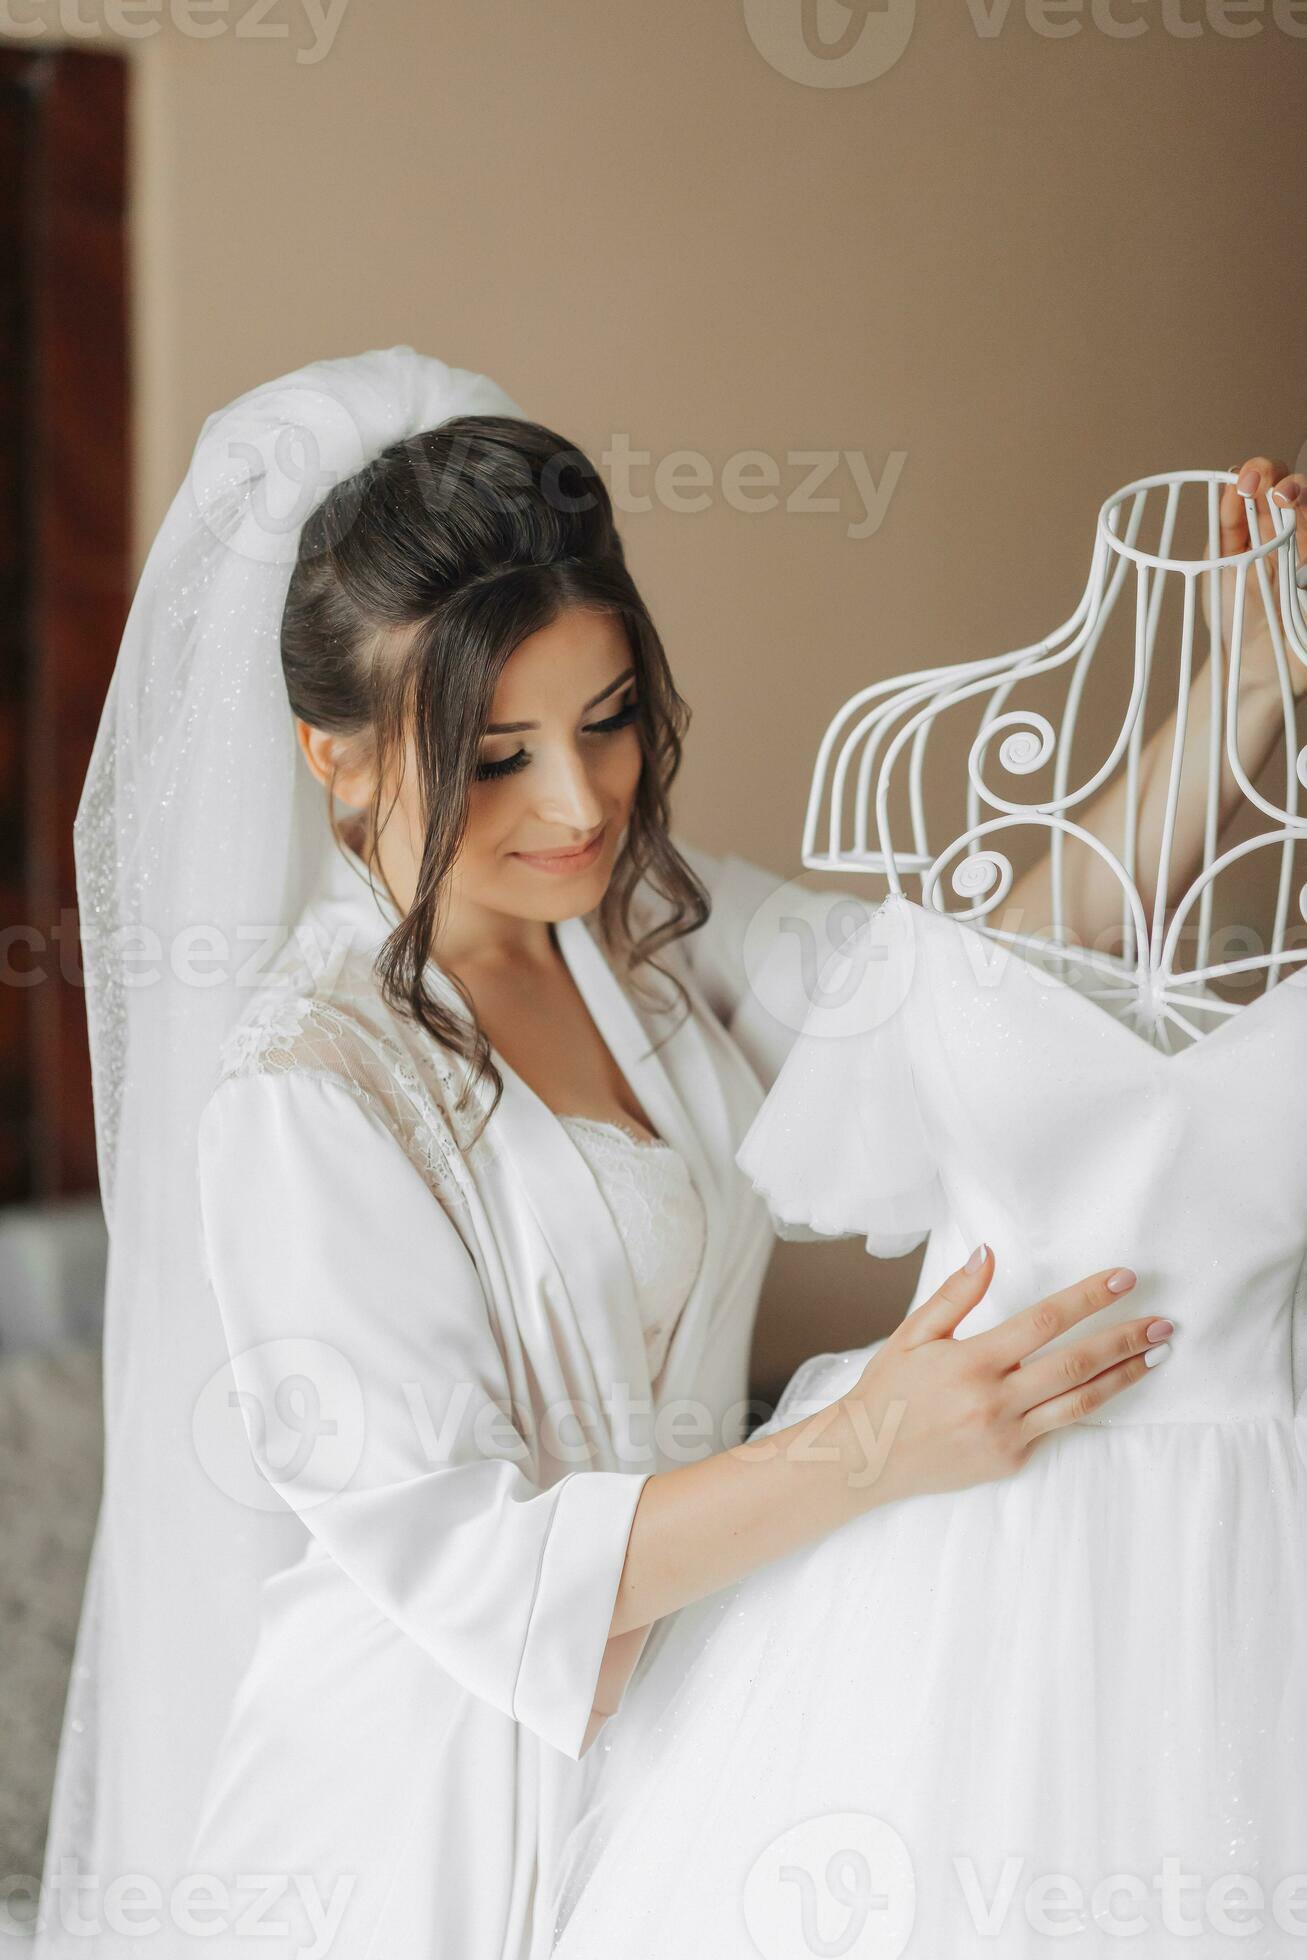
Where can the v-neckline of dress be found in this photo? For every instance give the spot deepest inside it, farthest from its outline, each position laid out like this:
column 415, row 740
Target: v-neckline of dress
column 1136, row 1044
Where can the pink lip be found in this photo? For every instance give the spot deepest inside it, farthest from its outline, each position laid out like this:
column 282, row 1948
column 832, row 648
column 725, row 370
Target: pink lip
column 563, row 860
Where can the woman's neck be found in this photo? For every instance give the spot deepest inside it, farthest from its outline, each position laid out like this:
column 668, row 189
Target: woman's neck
column 535, row 946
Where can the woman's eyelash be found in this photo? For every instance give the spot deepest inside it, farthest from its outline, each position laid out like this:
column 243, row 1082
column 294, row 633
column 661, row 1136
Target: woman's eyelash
column 487, row 771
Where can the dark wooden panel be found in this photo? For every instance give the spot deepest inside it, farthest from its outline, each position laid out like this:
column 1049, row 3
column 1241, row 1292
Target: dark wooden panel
column 64, row 567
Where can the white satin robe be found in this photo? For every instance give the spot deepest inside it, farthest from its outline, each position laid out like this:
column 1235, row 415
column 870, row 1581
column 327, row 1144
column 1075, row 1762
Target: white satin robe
column 431, row 1671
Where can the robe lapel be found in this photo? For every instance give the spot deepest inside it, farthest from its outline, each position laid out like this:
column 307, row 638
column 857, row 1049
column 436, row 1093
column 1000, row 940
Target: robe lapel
column 579, row 1231
column 682, row 1096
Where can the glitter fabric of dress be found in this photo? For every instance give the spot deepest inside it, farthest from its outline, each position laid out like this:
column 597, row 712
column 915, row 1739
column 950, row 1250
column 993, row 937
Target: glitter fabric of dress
column 1064, row 1711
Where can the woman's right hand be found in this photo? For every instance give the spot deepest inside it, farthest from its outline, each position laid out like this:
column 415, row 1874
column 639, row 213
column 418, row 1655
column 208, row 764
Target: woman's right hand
column 931, row 1413
column 1261, row 478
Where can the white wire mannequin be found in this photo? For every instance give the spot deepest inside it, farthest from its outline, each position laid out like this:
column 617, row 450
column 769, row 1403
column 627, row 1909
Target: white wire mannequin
column 855, row 772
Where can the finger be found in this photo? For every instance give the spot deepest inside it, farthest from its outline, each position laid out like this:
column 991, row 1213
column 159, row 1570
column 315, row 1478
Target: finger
column 1080, row 1402
column 950, row 1303
column 1251, row 480
column 1232, row 513
column 1290, row 492
column 1022, row 1333
column 1051, row 1375
column 1267, row 524
column 1255, row 480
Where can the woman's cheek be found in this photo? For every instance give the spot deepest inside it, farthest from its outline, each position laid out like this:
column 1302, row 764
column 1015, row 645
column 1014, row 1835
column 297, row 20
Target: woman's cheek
column 629, row 766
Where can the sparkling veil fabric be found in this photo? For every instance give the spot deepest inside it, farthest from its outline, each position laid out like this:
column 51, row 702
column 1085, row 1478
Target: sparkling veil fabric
column 198, row 837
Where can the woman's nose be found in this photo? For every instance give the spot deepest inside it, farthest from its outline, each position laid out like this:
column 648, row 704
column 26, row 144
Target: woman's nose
column 567, row 795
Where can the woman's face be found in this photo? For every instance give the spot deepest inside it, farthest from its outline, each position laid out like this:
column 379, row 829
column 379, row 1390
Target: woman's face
column 559, row 766
column 560, row 763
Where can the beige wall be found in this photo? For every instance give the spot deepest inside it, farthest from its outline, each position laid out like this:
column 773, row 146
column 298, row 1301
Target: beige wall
column 1020, row 268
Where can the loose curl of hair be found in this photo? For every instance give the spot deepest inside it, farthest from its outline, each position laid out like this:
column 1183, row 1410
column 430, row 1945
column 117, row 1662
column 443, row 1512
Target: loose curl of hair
column 415, row 580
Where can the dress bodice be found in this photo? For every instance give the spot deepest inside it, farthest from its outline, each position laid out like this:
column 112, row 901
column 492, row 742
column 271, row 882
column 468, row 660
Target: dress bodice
column 951, row 1083
column 659, row 1216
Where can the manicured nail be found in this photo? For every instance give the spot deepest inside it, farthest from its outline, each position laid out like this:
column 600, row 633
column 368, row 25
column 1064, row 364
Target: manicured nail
column 977, row 1259
column 1154, row 1355
column 1122, row 1280
column 1157, row 1330
column 1248, row 482
column 1289, row 495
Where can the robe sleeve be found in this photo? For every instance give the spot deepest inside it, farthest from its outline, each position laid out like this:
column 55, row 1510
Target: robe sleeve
column 755, row 959
column 346, row 1291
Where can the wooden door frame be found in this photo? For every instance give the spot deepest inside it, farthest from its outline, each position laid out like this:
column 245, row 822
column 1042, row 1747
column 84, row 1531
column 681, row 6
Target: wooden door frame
column 65, row 508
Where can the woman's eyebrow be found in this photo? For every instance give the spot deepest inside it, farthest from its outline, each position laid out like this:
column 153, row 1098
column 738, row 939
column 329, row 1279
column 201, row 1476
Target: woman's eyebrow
column 512, row 727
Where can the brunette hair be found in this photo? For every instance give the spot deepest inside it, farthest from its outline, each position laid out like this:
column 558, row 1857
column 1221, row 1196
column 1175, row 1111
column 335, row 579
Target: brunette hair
column 415, row 580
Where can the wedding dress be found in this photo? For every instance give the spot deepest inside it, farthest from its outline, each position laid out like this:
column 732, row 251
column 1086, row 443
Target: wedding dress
column 1064, row 1711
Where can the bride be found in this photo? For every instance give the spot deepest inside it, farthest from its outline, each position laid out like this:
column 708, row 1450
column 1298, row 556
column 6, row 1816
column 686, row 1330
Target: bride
column 422, row 1050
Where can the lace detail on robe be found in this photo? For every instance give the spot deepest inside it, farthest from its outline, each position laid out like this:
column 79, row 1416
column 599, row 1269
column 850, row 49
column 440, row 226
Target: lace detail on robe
column 350, row 1038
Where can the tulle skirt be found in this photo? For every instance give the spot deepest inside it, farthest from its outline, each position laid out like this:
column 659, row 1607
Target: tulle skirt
column 1061, row 1713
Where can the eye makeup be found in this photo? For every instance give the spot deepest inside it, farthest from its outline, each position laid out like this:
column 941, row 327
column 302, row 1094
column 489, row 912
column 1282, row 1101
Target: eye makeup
column 509, row 766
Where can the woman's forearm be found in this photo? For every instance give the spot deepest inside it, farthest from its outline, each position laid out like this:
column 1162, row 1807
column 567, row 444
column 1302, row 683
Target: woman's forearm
column 1091, row 892
column 928, row 1412
column 704, row 1525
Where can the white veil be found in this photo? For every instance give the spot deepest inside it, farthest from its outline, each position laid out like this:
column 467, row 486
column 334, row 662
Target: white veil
column 198, row 839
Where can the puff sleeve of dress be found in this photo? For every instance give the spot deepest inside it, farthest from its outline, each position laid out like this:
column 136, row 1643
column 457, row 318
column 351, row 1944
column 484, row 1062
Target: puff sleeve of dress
column 840, row 1146
column 339, row 1275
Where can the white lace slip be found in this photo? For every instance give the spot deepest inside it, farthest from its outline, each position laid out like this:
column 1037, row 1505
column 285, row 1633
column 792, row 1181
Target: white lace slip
column 659, row 1214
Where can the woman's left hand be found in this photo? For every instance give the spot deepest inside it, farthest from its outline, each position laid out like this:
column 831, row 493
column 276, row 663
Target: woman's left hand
column 1263, row 479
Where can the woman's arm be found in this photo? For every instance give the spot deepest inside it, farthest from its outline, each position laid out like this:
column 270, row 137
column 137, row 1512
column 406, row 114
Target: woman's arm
column 378, row 1406
column 1091, row 892
column 929, row 1413
column 374, row 1396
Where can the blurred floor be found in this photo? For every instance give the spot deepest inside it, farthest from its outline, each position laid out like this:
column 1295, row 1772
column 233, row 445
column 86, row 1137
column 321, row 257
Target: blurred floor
column 51, row 1445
